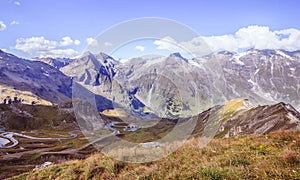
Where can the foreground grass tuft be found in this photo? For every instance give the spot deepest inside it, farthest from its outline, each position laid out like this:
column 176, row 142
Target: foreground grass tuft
column 272, row 156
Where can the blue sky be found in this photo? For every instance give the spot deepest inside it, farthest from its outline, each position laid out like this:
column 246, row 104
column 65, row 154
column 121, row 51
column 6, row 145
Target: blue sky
column 82, row 19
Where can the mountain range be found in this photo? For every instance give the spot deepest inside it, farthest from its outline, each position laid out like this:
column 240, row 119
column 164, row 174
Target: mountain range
column 171, row 86
column 30, row 79
column 174, row 86
column 224, row 94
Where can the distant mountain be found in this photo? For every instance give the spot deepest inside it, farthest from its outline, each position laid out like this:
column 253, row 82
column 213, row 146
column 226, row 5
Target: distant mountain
column 174, row 86
column 58, row 63
column 92, row 70
column 41, row 80
column 171, row 86
column 263, row 76
column 167, row 86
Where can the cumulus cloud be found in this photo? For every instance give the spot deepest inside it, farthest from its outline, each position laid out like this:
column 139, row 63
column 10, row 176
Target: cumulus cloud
column 195, row 47
column 17, row 3
column 14, row 23
column 35, row 45
column 39, row 46
column 2, row 26
column 108, row 44
column 76, row 42
column 92, row 41
column 225, row 42
column 167, row 43
column 140, row 48
column 258, row 37
column 67, row 41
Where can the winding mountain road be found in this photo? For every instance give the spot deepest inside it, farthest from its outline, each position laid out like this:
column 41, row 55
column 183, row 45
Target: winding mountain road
column 9, row 136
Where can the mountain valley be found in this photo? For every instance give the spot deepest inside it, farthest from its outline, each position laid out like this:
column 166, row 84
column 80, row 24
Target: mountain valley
column 55, row 103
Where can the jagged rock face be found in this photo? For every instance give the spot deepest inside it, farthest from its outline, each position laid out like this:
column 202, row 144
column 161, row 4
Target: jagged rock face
column 93, row 71
column 175, row 86
column 264, row 76
column 39, row 78
column 264, row 119
column 106, row 71
column 167, row 86
column 238, row 118
column 143, row 86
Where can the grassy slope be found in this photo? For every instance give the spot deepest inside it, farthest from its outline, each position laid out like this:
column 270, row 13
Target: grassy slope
column 25, row 95
column 273, row 156
column 47, row 121
column 43, row 118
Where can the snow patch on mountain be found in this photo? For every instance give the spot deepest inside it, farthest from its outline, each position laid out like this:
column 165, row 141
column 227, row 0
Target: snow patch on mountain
column 284, row 55
column 292, row 118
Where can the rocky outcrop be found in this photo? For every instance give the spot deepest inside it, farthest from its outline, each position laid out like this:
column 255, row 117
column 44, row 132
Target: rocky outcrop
column 39, row 78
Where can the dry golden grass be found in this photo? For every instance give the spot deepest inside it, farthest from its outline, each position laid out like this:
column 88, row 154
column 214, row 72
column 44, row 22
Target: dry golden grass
column 117, row 112
column 272, row 156
column 25, row 95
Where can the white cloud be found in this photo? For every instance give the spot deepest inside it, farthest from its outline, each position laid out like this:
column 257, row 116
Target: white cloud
column 108, row 44
column 258, row 37
column 92, row 41
column 224, row 42
column 17, row 3
column 67, row 41
column 292, row 42
column 35, row 45
column 76, row 42
column 14, row 23
column 2, row 26
column 167, row 43
column 194, row 47
column 140, row 48
column 39, row 46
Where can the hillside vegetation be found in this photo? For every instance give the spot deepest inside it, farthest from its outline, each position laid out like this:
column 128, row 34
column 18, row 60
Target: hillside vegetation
column 272, row 156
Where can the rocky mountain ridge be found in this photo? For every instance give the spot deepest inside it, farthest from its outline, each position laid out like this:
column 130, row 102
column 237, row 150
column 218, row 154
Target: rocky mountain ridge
column 240, row 117
column 174, row 86
column 171, row 86
column 42, row 80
